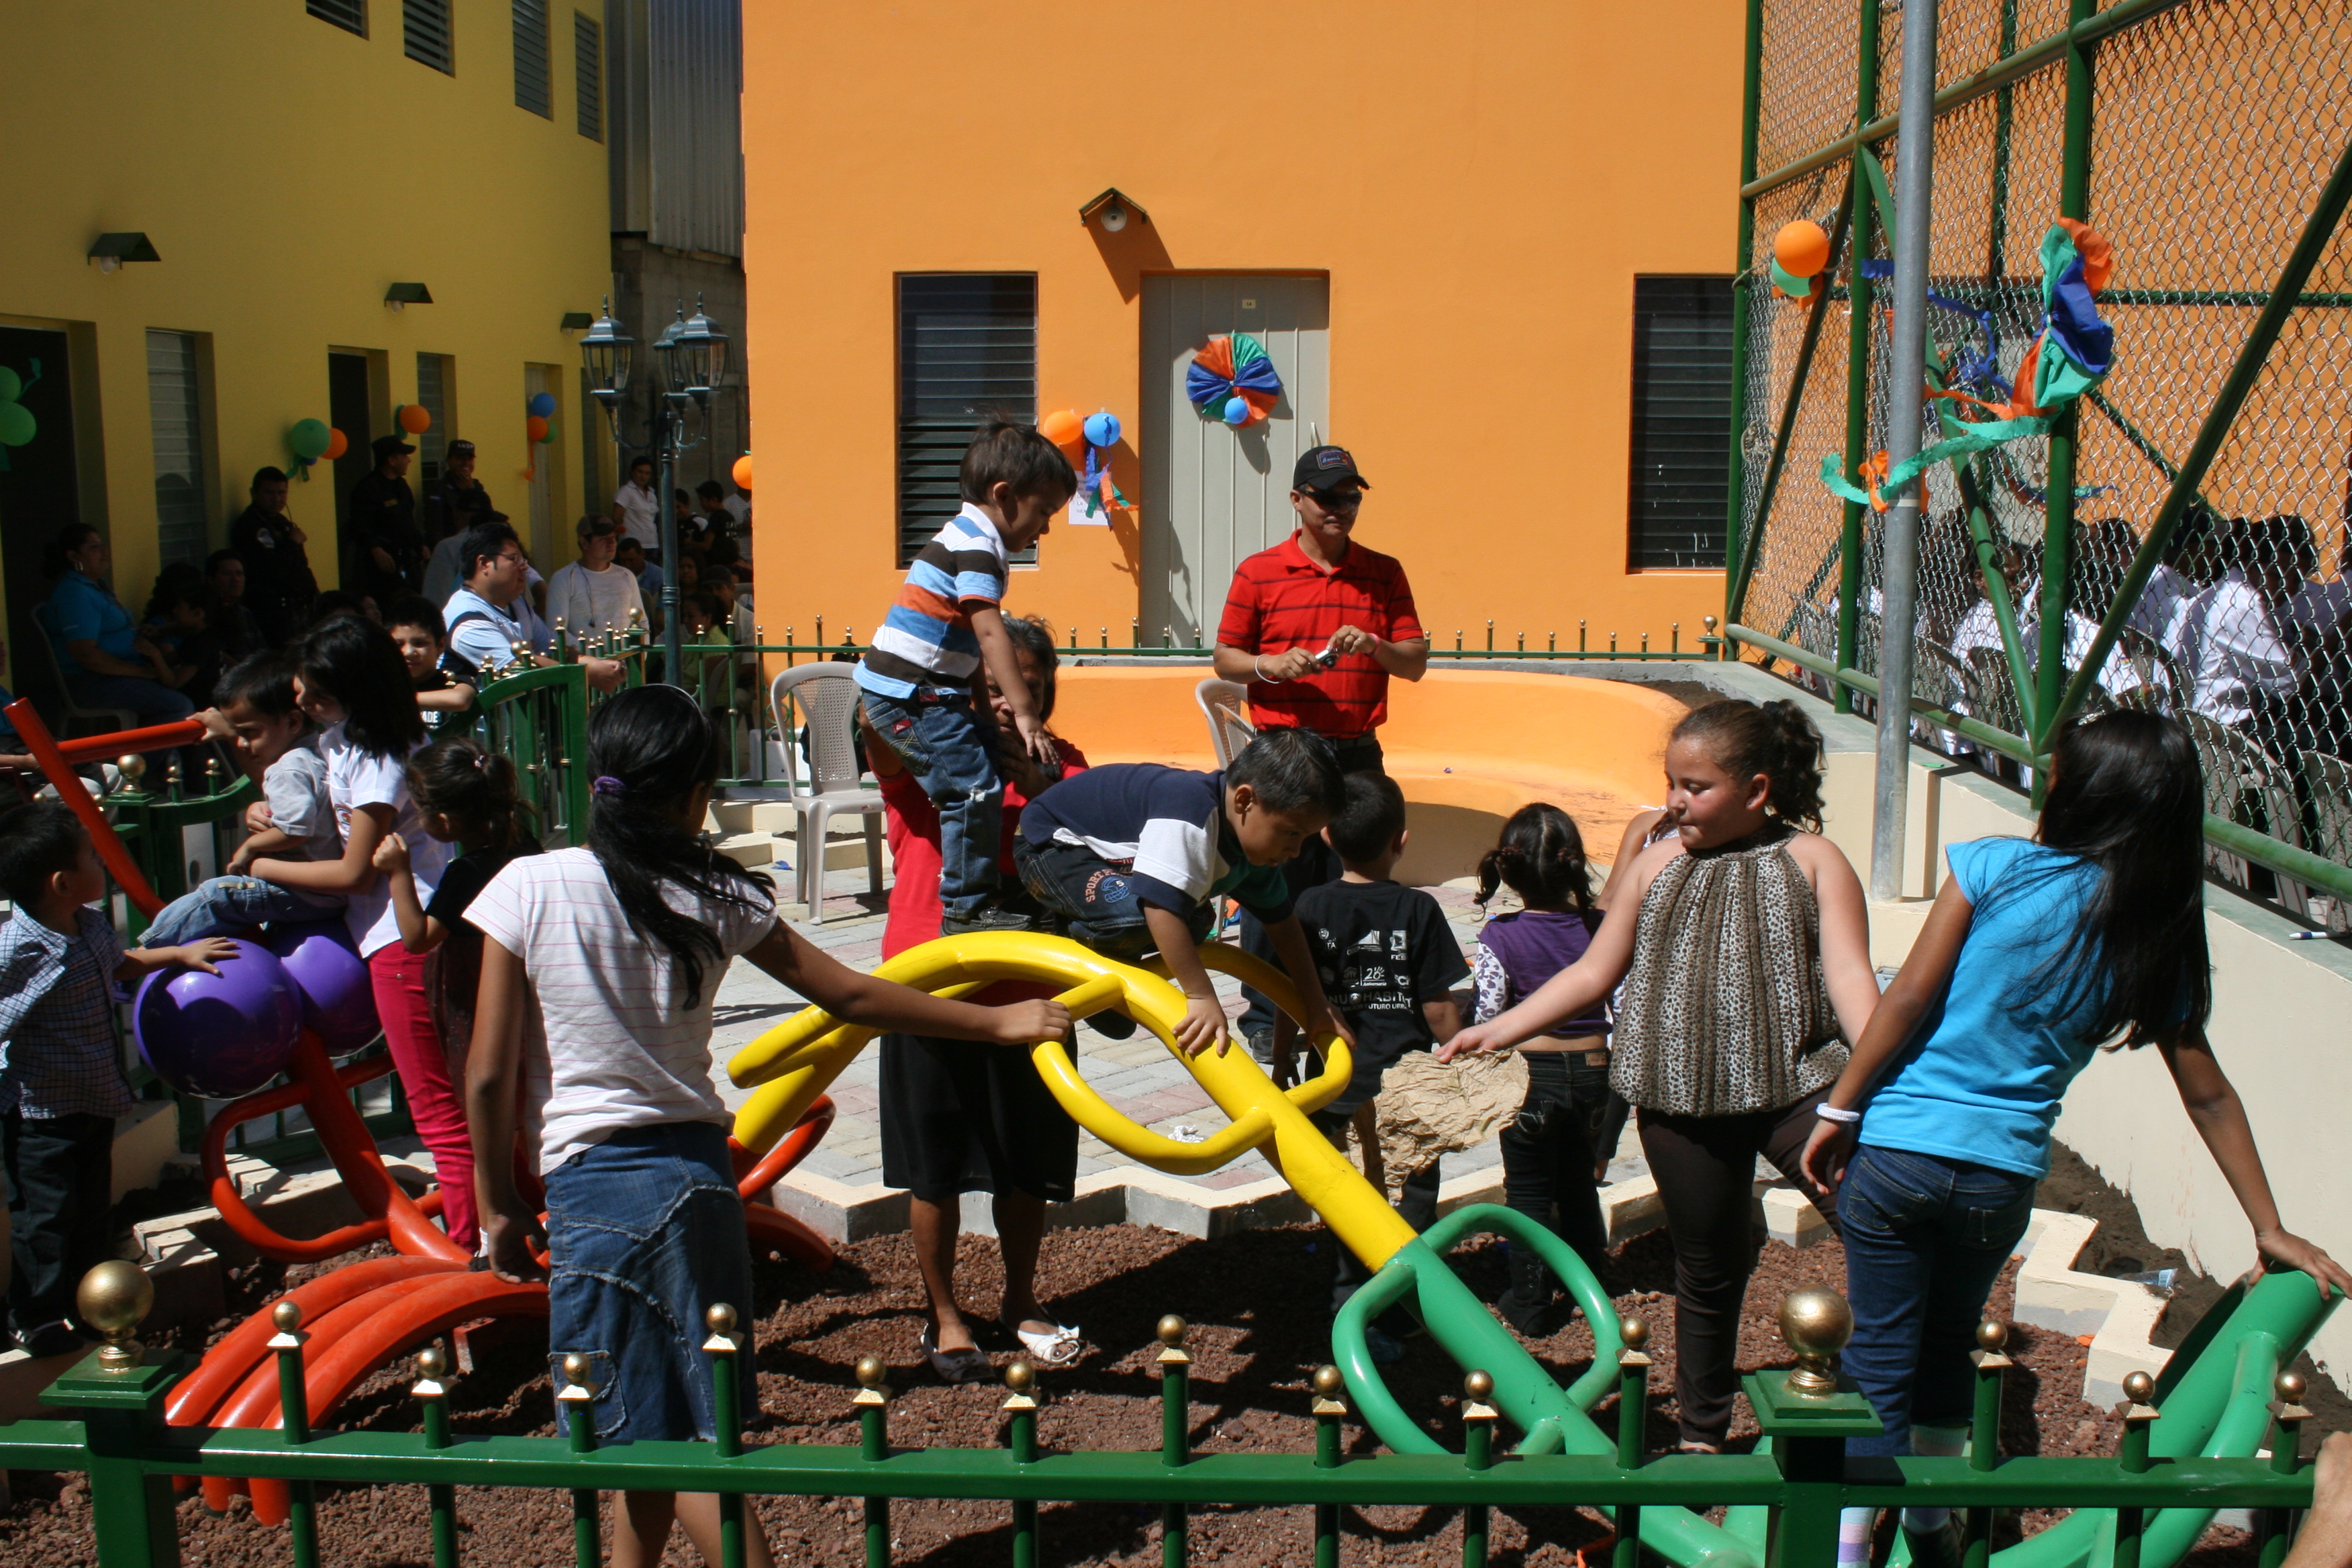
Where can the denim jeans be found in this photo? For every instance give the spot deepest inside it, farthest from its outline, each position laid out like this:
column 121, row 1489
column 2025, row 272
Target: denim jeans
column 952, row 756
column 1549, row 1147
column 1093, row 900
column 645, row 1235
column 60, row 1195
column 1924, row 1238
column 226, row 904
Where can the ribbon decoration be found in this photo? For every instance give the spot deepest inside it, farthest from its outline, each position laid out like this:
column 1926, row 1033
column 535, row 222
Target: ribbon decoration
column 1097, row 490
column 2073, row 353
column 1234, row 380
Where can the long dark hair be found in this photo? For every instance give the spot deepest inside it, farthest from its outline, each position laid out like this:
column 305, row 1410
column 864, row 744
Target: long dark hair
column 56, row 556
column 459, row 779
column 1540, row 857
column 1775, row 739
column 1036, row 639
column 2126, row 797
column 649, row 748
column 355, row 661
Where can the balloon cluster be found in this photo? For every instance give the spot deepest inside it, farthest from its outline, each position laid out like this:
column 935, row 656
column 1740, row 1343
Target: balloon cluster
column 16, row 423
column 1801, row 252
column 314, row 440
column 1084, row 441
column 538, row 425
column 742, row 473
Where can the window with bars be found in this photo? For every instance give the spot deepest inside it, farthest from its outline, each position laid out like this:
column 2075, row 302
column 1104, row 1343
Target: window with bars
column 966, row 348
column 1682, row 422
column 426, row 34
column 174, row 409
column 433, row 396
column 351, row 15
column 588, row 74
column 533, row 90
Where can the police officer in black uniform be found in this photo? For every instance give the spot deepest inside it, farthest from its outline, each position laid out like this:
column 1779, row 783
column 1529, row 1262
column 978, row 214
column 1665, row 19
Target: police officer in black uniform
column 385, row 552
column 278, row 585
column 456, row 501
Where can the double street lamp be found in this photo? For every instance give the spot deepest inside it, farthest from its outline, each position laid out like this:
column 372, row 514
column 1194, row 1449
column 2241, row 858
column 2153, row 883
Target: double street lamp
column 690, row 359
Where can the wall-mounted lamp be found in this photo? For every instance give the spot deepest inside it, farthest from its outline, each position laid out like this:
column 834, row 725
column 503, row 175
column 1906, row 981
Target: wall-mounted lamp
column 1113, row 208
column 113, row 249
column 401, row 295
column 576, row 321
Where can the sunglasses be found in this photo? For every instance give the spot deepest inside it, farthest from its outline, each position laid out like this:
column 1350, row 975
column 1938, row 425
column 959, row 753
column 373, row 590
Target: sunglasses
column 1337, row 500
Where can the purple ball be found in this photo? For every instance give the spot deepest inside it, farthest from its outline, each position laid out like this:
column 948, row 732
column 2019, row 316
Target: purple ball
column 219, row 1035
column 337, row 1002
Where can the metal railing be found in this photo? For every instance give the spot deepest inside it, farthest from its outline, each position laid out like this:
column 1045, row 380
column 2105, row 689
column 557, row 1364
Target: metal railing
column 2173, row 541
column 1784, row 1500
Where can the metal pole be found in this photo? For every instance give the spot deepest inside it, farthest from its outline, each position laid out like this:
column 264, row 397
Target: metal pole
column 1861, row 315
column 1915, row 167
column 666, row 426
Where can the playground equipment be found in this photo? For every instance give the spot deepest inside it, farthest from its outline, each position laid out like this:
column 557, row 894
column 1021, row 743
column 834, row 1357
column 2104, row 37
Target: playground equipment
column 2214, row 1395
column 218, row 1035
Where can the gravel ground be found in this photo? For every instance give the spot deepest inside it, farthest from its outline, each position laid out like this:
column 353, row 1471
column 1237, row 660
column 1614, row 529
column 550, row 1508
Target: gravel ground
column 1249, row 1388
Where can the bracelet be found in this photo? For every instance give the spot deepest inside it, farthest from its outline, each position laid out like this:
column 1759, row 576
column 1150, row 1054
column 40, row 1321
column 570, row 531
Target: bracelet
column 1829, row 1112
column 1257, row 667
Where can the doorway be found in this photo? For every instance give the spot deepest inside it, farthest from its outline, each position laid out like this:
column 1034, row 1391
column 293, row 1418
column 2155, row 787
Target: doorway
column 348, row 409
column 40, row 493
column 1213, row 495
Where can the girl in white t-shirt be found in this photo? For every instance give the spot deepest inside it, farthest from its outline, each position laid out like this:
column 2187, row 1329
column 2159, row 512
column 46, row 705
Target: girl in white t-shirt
column 353, row 682
column 599, row 968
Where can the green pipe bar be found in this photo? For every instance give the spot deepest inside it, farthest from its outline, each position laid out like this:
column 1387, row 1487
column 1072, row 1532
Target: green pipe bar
column 1865, row 185
column 2032, row 57
column 1743, row 273
column 2252, row 298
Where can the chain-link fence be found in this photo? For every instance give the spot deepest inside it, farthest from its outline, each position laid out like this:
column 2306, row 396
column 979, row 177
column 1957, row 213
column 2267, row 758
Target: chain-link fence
column 2204, row 542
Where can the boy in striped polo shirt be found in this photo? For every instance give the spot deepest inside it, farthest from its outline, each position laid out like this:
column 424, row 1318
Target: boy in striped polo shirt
column 923, row 680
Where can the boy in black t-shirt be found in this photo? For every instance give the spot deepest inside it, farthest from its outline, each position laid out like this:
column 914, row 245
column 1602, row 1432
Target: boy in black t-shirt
column 417, row 629
column 1389, row 962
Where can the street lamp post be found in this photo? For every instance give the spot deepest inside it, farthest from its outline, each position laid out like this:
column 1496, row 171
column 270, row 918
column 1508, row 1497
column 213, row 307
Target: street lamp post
column 690, row 359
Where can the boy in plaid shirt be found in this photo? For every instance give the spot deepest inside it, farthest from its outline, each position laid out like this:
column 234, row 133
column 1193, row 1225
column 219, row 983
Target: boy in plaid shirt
column 62, row 971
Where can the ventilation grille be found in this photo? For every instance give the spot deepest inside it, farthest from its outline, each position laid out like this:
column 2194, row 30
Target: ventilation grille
column 532, row 89
column 425, row 33
column 351, row 15
column 966, row 348
column 1682, row 421
column 588, row 74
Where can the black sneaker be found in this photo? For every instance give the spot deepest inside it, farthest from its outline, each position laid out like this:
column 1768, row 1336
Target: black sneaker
column 987, row 917
column 1940, row 1547
column 1261, row 1046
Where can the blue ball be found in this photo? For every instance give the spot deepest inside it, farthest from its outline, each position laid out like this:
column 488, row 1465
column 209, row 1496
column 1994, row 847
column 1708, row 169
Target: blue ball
column 542, row 404
column 1102, row 430
column 1237, row 410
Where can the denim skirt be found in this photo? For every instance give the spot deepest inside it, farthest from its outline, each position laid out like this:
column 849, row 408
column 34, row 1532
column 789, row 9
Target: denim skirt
column 645, row 1234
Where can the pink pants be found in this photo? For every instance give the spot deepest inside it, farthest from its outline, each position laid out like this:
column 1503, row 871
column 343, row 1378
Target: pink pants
column 403, row 1005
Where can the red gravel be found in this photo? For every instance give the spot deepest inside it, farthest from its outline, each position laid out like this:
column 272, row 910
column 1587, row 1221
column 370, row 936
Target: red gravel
column 1254, row 1348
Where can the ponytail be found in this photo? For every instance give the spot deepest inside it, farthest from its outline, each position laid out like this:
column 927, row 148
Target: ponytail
column 1775, row 740
column 1541, row 858
column 650, row 748
column 459, row 779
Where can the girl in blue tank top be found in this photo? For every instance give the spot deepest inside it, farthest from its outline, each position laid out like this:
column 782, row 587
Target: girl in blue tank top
column 2037, row 953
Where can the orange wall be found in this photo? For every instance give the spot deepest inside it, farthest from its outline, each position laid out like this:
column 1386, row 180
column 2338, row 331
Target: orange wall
column 1481, row 182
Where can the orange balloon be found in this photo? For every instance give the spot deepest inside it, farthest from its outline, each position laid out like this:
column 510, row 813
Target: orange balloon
column 414, row 418
column 743, row 472
column 337, row 445
column 535, row 428
column 1064, row 427
column 1802, row 248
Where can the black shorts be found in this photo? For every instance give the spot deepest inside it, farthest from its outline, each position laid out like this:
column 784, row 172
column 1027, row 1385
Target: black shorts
column 961, row 1116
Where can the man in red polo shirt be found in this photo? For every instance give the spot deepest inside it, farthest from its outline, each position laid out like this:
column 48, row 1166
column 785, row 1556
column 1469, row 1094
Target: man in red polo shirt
column 1315, row 626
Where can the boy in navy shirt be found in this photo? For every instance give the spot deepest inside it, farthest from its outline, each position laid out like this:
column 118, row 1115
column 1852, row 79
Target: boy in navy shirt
column 1132, row 857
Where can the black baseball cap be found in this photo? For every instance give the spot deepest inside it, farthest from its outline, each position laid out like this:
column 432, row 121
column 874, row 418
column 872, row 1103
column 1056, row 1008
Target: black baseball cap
column 459, row 450
column 1322, row 467
column 385, row 445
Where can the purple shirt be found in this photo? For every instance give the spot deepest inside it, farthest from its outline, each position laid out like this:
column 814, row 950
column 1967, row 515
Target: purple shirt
column 1519, row 952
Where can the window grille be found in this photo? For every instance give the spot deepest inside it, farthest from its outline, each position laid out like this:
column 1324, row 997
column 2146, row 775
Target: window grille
column 1682, row 421
column 966, row 348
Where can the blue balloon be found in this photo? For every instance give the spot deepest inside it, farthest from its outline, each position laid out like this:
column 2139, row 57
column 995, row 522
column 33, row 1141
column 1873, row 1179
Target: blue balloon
column 1237, row 410
column 1102, row 430
column 542, row 404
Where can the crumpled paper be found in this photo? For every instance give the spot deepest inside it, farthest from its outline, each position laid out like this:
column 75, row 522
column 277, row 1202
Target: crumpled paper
column 1428, row 1108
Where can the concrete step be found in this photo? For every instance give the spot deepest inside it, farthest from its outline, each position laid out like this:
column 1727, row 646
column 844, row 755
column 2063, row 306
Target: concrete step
column 772, row 816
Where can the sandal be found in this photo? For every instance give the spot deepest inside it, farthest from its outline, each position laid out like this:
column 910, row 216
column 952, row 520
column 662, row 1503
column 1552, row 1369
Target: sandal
column 970, row 1365
column 1058, row 1346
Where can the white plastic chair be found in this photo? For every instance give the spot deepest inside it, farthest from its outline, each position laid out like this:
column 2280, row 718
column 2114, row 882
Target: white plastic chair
column 1222, row 704
column 827, row 697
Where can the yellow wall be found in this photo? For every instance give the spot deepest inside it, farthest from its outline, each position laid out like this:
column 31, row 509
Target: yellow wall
column 1481, row 182
column 288, row 172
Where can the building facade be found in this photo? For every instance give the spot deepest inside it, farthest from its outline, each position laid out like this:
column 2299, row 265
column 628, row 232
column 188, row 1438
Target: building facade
column 295, row 167
column 1485, row 247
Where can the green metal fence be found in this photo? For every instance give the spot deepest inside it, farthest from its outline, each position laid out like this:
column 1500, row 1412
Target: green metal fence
column 2178, row 540
column 1783, row 1501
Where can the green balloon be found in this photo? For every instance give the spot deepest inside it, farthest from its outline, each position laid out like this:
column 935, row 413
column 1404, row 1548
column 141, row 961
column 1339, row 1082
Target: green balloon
column 12, row 386
column 550, row 431
column 310, row 438
column 16, row 425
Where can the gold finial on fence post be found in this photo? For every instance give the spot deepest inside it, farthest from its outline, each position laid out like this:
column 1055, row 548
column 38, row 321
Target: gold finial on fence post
column 1815, row 1324
column 114, row 1299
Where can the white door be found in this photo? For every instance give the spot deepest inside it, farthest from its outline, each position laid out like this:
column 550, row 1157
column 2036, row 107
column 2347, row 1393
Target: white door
column 1212, row 494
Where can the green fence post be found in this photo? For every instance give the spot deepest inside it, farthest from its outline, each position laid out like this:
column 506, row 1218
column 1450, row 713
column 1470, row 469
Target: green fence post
column 1328, row 1413
column 723, row 1347
column 1478, row 1453
column 1809, row 1414
column 1021, row 1437
column 2270, row 1524
column 294, row 1414
column 118, row 1394
column 1743, row 275
column 1984, row 1434
column 873, row 1402
column 2138, row 1418
column 1175, row 1430
column 578, row 1398
column 434, row 1397
column 1859, row 294
column 1632, row 1432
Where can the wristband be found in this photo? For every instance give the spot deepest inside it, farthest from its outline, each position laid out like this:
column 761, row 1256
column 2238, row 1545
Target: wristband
column 1829, row 1112
column 1257, row 667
